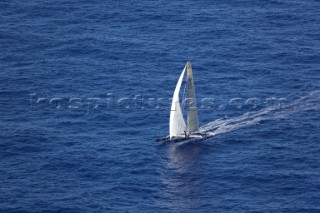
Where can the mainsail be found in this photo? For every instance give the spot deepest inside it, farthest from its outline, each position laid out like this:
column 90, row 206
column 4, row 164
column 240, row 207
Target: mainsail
column 177, row 123
column 192, row 106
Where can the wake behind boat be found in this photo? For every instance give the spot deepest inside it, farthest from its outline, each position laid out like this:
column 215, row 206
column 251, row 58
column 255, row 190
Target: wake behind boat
column 179, row 130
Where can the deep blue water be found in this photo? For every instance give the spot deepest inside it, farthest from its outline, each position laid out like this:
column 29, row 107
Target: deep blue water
column 85, row 89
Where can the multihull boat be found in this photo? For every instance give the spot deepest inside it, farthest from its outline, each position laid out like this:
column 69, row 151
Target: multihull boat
column 180, row 130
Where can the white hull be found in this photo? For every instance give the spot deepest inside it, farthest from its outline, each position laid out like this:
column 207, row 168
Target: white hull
column 189, row 138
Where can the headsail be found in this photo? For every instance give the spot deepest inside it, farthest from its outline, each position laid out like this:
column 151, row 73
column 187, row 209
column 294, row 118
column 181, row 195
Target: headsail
column 177, row 123
column 192, row 106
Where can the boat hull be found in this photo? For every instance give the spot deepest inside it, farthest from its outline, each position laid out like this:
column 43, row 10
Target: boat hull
column 189, row 138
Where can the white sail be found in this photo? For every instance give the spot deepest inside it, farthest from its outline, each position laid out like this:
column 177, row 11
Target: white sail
column 177, row 123
column 192, row 106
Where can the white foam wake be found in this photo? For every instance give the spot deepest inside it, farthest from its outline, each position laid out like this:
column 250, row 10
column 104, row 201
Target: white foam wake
column 224, row 125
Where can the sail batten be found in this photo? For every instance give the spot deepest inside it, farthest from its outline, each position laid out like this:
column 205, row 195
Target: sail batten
column 177, row 123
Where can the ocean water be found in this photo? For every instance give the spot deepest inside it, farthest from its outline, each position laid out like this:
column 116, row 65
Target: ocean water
column 85, row 90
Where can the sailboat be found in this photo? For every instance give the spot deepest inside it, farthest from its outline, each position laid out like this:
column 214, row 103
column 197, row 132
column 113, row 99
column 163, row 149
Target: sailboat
column 178, row 128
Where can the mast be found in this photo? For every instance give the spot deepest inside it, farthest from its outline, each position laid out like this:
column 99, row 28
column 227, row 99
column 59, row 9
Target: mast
column 192, row 106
